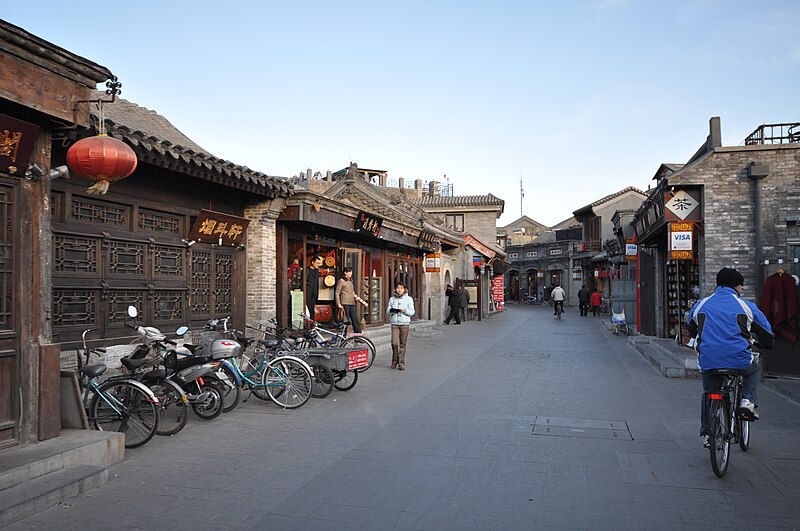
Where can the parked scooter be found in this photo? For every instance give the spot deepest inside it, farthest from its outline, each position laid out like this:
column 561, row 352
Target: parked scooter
column 192, row 375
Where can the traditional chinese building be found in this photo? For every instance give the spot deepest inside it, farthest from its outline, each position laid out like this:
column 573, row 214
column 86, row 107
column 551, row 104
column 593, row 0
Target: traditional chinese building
column 728, row 206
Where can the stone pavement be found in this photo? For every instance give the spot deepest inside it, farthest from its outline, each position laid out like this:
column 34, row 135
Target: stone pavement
column 516, row 422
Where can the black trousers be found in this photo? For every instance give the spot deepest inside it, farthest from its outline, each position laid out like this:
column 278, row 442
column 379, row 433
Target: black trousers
column 584, row 309
column 352, row 316
column 454, row 314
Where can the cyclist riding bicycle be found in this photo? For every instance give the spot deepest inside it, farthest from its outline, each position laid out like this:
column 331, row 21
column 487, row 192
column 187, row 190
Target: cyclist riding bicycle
column 723, row 325
column 558, row 295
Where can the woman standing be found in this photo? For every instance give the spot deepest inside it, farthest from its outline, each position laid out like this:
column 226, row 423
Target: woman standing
column 345, row 297
column 400, row 310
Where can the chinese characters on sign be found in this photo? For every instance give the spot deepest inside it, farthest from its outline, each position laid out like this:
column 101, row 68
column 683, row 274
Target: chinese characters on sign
column 369, row 223
column 427, row 240
column 681, row 245
column 219, row 228
column 433, row 262
column 16, row 144
column 681, row 206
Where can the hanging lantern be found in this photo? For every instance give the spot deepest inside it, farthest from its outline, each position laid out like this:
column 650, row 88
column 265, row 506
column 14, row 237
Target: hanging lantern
column 101, row 159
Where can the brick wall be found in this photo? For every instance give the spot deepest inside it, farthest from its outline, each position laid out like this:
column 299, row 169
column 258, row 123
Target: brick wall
column 729, row 230
column 261, row 262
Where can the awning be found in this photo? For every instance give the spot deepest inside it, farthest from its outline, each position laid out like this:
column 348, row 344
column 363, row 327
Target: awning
column 600, row 257
column 476, row 244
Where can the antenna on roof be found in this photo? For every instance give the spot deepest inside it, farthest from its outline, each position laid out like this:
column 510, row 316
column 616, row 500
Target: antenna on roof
column 521, row 194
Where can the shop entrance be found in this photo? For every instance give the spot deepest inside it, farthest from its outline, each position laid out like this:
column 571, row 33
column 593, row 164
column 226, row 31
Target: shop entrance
column 9, row 331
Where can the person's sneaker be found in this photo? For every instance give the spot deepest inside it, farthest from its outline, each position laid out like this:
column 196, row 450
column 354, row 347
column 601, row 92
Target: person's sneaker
column 402, row 367
column 704, row 439
column 747, row 410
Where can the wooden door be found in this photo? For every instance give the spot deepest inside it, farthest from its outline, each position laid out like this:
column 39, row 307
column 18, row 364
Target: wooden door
column 9, row 332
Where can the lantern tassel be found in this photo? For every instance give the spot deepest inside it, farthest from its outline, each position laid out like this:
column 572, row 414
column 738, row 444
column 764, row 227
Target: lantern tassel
column 98, row 188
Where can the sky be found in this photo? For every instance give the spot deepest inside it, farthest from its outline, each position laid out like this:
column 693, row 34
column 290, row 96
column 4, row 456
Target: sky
column 575, row 100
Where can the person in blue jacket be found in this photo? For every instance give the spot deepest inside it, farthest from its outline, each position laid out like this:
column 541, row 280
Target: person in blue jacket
column 723, row 325
column 400, row 310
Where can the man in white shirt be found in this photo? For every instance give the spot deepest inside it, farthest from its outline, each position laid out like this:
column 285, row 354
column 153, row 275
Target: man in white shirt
column 558, row 295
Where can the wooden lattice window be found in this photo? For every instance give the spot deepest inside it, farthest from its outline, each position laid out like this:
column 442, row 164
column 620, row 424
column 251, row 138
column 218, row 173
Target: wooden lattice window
column 200, row 294
column 125, row 258
column 167, row 261
column 75, row 308
column 159, row 221
column 88, row 211
column 74, row 254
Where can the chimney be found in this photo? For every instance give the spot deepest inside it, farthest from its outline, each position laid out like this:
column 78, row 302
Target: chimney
column 418, row 184
column 310, row 173
column 433, row 188
column 329, row 175
column 715, row 132
column 401, row 183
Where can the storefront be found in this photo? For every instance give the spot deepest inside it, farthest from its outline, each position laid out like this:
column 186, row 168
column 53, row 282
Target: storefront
column 372, row 230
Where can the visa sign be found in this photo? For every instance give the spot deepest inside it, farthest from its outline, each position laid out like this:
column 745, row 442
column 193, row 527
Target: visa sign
column 680, row 241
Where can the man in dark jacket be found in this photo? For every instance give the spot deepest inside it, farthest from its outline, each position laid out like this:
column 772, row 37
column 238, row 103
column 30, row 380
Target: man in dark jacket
column 453, row 300
column 463, row 303
column 583, row 300
column 312, row 284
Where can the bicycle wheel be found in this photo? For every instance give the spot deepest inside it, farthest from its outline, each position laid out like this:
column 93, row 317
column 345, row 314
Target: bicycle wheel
column 323, row 381
column 720, row 444
column 174, row 411
column 121, row 406
column 743, row 433
column 345, row 380
column 362, row 342
column 288, row 382
column 211, row 407
column 231, row 391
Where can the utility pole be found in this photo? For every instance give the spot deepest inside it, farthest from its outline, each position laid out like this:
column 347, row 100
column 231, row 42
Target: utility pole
column 521, row 194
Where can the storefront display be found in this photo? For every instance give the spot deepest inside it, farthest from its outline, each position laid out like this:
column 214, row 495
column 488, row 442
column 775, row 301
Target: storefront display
column 682, row 290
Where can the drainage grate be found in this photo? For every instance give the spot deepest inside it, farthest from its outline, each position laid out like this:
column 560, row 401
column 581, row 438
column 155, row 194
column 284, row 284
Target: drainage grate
column 582, row 428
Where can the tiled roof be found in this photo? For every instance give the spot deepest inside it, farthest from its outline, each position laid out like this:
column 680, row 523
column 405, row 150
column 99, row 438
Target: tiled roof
column 158, row 142
column 458, row 200
column 617, row 194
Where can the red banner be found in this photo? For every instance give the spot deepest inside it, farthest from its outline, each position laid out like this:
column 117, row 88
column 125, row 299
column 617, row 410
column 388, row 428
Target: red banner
column 357, row 359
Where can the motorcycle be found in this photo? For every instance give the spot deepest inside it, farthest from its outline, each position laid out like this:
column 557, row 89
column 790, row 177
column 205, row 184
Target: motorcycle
column 191, row 377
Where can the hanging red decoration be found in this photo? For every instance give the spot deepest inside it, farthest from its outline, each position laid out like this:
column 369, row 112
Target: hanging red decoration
column 101, row 159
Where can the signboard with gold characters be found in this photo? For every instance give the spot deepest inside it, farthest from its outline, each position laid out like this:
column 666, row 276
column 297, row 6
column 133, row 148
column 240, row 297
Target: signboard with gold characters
column 218, row 228
column 16, row 144
column 368, row 223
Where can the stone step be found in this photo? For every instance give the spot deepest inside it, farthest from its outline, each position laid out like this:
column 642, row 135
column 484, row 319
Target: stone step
column 38, row 494
column 659, row 359
column 37, row 476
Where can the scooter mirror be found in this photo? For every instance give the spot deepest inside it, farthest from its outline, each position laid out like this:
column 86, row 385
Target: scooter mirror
column 132, row 311
column 182, row 330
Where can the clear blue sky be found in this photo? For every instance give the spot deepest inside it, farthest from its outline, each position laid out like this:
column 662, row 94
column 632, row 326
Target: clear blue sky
column 580, row 99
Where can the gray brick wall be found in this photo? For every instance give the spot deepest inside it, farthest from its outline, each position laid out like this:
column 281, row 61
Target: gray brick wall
column 261, row 263
column 729, row 230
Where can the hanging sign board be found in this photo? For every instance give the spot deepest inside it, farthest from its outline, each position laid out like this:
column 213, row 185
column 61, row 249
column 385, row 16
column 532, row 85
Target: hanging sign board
column 631, row 251
column 366, row 222
column 433, row 262
column 427, row 240
column 681, row 242
column 218, row 228
column 16, row 144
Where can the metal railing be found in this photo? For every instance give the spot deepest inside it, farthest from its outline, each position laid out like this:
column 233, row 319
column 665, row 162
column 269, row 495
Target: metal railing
column 774, row 134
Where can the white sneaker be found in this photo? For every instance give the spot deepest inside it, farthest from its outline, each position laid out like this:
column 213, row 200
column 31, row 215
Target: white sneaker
column 704, row 440
column 747, row 410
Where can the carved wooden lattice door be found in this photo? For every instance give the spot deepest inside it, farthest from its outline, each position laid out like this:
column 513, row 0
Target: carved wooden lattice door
column 211, row 291
column 9, row 334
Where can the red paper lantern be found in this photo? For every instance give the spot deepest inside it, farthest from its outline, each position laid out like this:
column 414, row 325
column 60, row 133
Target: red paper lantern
column 101, row 159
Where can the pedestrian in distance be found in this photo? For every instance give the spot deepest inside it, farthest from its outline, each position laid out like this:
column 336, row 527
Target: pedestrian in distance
column 453, row 301
column 596, row 300
column 558, row 295
column 583, row 300
column 463, row 303
column 723, row 325
column 312, row 284
column 400, row 310
column 346, row 298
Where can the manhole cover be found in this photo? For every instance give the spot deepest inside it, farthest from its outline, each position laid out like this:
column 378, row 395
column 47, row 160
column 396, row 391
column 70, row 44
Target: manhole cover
column 583, row 428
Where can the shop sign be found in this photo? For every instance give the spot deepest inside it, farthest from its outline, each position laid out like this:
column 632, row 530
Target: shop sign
column 577, row 274
column 16, row 144
column 368, row 223
column 540, row 274
column 433, row 263
column 681, row 205
column 681, row 243
column 218, row 228
column 498, row 294
column 427, row 240
column 631, row 250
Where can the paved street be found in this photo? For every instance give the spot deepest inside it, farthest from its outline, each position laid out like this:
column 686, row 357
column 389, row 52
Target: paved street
column 516, row 422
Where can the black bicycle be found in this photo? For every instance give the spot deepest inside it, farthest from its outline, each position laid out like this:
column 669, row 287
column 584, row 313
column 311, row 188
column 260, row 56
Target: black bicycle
column 727, row 424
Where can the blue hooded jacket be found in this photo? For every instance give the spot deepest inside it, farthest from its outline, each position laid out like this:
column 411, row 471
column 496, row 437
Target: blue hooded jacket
column 723, row 324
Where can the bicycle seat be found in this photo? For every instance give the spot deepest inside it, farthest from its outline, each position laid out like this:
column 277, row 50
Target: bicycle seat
column 93, row 371
column 133, row 363
column 269, row 343
column 722, row 372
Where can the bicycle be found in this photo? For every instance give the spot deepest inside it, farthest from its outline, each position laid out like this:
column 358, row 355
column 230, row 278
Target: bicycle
column 559, row 309
column 727, row 425
column 120, row 403
column 316, row 336
column 271, row 375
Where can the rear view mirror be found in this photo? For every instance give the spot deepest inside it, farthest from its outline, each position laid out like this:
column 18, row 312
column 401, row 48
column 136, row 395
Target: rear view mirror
column 132, row 311
column 181, row 331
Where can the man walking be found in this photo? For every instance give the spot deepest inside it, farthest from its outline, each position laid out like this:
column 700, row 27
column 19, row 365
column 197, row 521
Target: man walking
column 583, row 300
column 463, row 303
column 453, row 300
